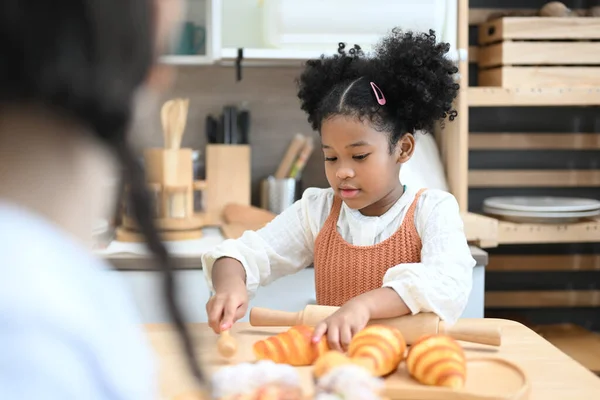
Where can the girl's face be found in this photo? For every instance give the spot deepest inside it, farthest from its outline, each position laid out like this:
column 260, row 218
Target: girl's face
column 359, row 166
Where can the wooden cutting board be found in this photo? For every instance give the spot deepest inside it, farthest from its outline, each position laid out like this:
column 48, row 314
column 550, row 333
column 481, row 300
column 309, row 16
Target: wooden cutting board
column 235, row 230
column 490, row 376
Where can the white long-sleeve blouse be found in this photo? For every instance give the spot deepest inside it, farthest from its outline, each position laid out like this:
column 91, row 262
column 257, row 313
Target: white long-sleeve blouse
column 440, row 283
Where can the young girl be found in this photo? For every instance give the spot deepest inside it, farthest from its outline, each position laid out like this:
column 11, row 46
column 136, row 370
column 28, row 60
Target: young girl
column 379, row 249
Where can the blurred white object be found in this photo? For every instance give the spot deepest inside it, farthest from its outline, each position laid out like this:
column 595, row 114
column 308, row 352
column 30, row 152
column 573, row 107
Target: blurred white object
column 322, row 24
column 349, row 382
column 246, row 378
column 425, row 168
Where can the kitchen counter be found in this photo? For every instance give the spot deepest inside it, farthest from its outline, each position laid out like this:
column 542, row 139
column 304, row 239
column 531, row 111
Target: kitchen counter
column 134, row 265
column 186, row 254
column 553, row 374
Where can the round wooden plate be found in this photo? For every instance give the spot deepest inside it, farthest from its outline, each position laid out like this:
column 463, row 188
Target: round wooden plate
column 487, row 379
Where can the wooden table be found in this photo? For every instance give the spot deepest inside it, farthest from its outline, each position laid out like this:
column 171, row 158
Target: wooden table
column 553, row 374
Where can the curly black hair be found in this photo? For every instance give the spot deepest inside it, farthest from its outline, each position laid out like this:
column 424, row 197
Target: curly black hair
column 412, row 71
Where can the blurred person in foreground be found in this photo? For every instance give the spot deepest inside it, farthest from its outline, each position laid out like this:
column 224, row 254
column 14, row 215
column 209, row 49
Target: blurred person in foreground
column 71, row 76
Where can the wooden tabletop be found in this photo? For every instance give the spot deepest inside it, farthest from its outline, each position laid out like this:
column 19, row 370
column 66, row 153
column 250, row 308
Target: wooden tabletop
column 553, row 374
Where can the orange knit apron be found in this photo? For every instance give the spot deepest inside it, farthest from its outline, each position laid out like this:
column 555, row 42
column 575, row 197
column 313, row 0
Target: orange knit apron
column 344, row 271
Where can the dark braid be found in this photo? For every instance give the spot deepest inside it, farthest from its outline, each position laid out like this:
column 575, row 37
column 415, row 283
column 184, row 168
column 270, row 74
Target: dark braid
column 142, row 210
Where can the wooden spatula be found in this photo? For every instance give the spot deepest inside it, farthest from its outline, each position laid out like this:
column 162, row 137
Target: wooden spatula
column 165, row 113
column 178, row 118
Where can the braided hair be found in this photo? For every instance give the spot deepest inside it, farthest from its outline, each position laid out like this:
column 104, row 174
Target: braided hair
column 85, row 59
column 410, row 69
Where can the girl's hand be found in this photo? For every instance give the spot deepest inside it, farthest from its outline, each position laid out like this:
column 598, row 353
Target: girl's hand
column 342, row 325
column 229, row 304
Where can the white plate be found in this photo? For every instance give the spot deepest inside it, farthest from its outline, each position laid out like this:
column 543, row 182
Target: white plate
column 100, row 226
column 540, row 217
column 542, row 204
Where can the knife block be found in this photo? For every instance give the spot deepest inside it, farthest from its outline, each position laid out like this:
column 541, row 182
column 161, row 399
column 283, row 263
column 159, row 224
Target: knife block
column 169, row 176
column 228, row 179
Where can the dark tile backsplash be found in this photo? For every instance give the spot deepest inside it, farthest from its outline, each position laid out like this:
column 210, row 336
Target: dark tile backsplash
column 268, row 93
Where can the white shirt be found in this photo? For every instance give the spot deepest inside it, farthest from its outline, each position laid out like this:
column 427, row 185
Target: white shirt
column 440, row 283
column 68, row 330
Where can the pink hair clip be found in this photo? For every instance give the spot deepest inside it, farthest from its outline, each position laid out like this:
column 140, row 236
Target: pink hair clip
column 380, row 100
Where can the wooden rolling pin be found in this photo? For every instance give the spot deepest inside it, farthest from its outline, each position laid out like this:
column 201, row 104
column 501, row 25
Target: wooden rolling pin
column 226, row 345
column 411, row 326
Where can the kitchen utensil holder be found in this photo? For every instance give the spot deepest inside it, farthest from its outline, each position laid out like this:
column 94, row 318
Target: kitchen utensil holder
column 277, row 194
column 170, row 180
column 228, row 179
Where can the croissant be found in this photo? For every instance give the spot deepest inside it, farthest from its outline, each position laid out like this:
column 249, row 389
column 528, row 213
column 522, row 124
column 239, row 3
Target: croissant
column 192, row 396
column 329, row 360
column 437, row 360
column 379, row 348
column 293, row 347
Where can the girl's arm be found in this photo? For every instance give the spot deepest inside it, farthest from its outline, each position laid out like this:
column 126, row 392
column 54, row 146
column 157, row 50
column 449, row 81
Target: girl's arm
column 284, row 246
column 442, row 281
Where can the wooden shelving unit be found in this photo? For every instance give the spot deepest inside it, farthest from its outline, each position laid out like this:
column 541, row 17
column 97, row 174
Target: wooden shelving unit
column 498, row 97
column 456, row 142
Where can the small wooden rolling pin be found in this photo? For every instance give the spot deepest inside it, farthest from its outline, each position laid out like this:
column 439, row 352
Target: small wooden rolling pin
column 411, row 326
column 227, row 345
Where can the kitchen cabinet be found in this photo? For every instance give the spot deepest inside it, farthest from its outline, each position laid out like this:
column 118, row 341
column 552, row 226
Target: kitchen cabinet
column 198, row 38
column 290, row 293
column 287, row 31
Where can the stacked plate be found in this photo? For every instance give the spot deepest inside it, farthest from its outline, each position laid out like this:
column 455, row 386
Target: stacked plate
column 538, row 209
column 100, row 227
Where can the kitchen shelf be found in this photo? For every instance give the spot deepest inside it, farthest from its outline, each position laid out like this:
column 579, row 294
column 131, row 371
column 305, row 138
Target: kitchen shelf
column 587, row 231
column 186, row 60
column 485, row 231
column 480, row 230
column 490, row 178
column 542, row 298
column 498, row 96
column 534, row 141
column 272, row 54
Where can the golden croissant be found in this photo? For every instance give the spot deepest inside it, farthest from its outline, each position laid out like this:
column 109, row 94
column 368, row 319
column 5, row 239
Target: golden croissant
column 379, row 348
column 329, row 360
column 437, row 360
column 293, row 347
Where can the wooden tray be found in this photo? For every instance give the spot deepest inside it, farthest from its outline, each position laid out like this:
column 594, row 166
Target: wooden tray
column 487, row 379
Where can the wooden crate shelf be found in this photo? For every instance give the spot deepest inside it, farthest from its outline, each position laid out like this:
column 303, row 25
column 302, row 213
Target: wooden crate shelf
column 478, row 16
column 480, row 230
column 533, row 178
column 543, row 262
column 534, row 141
column 486, row 232
column 533, row 96
column 587, row 231
column 540, row 51
column 519, row 76
column 542, row 298
column 511, row 40
column 539, row 28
